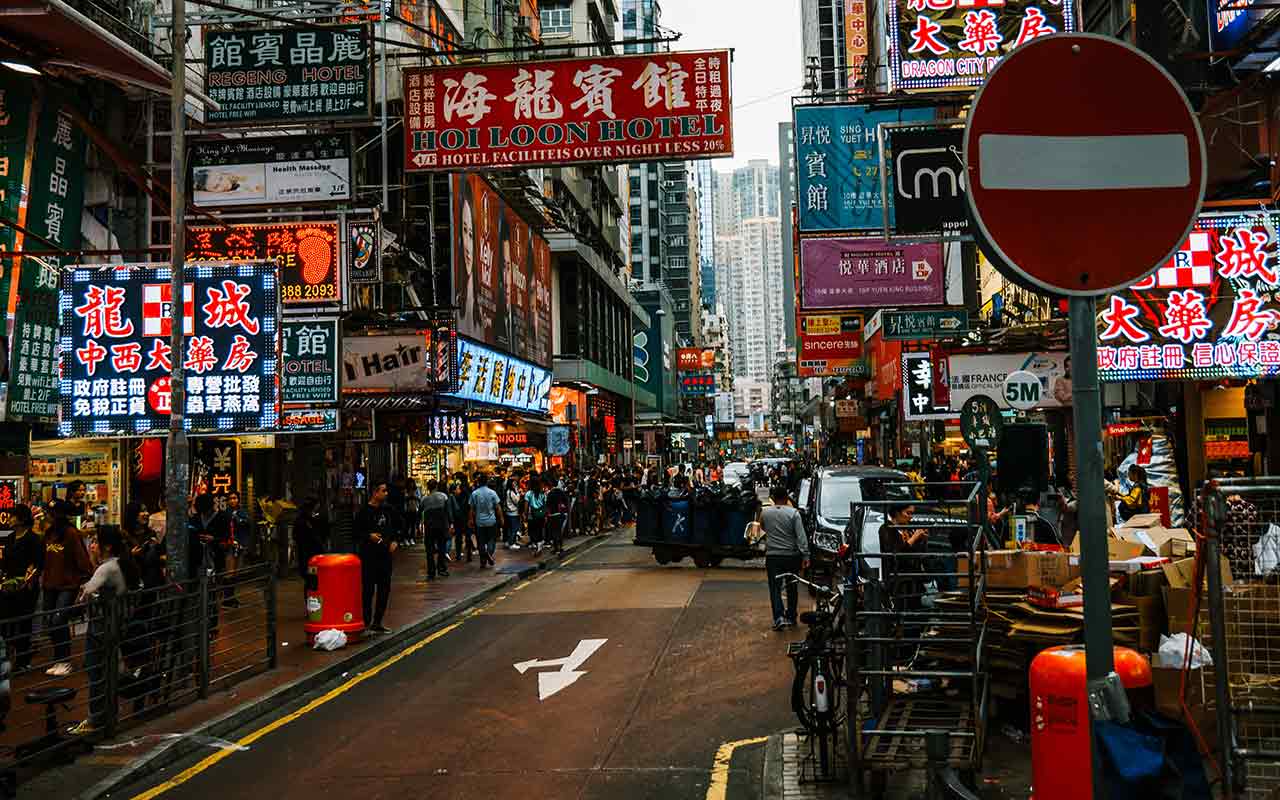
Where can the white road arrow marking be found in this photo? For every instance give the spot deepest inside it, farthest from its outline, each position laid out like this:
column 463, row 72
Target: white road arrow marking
column 551, row 682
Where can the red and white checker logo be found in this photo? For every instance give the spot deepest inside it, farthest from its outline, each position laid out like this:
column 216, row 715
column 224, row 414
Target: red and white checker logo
column 1191, row 266
column 155, row 308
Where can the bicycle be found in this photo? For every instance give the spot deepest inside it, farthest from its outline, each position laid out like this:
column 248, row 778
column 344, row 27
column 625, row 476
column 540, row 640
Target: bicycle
column 817, row 691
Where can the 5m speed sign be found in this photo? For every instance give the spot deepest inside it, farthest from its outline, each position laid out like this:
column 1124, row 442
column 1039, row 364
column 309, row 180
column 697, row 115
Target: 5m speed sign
column 1022, row 390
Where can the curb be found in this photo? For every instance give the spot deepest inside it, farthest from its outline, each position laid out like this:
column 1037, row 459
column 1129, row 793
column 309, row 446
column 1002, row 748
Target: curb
column 771, row 780
column 222, row 726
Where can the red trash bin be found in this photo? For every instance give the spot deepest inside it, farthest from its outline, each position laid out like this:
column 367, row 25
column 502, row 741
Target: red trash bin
column 1060, row 761
column 334, row 599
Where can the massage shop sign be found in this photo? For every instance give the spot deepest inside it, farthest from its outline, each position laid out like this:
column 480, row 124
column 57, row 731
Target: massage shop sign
column 1211, row 312
column 116, row 355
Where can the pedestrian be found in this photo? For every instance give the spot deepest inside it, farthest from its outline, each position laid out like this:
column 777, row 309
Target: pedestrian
column 462, row 536
column 1138, row 499
column 21, row 561
column 115, row 576
column 511, row 506
column 73, row 506
column 557, row 515
column 485, row 506
column 786, row 551
column 373, row 535
column 239, row 542
column 438, row 524
column 310, row 534
column 66, row 567
column 209, row 537
column 535, row 513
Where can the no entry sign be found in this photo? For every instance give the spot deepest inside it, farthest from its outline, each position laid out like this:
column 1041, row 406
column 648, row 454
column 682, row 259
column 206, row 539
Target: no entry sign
column 1086, row 164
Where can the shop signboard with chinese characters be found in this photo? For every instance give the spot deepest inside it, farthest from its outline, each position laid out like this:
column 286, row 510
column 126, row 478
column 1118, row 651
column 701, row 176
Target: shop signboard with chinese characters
column 290, row 76
column 387, row 363
column 446, row 427
column 307, row 253
column 309, row 420
column 924, row 387
column 32, row 394
column 267, row 170
column 568, row 111
column 12, row 492
column 695, row 359
column 309, row 362
column 955, row 44
column 114, row 329
column 855, row 42
column 493, row 378
column 502, row 273
column 697, row 384
column 925, row 324
column 1208, row 314
column 861, row 273
column 215, row 466
column 830, row 344
column 985, row 375
column 838, row 165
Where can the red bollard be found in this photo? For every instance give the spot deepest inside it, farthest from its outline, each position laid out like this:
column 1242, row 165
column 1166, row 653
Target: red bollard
column 334, row 599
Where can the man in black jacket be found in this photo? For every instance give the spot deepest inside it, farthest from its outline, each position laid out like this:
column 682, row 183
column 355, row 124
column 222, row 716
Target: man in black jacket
column 21, row 560
column 373, row 537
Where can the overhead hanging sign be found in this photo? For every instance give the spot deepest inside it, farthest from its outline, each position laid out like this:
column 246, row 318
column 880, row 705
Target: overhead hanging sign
column 838, row 165
column 951, row 44
column 446, row 427
column 116, row 358
column 697, row 384
column 986, row 374
column 270, row 170
column 387, row 363
column 307, row 253
column 924, row 387
column 309, row 420
column 695, row 359
column 309, row 361
column 1208, row 313
column 926, row 171
column 860, row 273
column 493, row 378
column 830, row 344
column 364, row 252
column 564, row 111
column 925, row 323
column 289, row 75
column 32, row 394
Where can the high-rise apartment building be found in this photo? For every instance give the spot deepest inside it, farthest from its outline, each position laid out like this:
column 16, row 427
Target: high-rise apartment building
column 706, row 180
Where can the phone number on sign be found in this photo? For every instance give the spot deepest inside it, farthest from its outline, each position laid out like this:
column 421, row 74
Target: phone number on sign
column 295, row 291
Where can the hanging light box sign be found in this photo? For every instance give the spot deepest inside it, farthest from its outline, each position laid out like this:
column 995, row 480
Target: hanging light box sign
column 307, row 253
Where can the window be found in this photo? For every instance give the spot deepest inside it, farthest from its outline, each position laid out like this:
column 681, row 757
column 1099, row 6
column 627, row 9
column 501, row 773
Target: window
column 556, row 16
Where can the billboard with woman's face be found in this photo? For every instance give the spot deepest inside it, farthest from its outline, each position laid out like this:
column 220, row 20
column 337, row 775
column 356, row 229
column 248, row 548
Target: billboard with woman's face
column 502, row 273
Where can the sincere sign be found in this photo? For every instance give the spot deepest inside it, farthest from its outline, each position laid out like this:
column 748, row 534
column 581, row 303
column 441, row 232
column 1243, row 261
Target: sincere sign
column 563, row 111
column 838, row 165
column 257, row 171
column 949, row 44
column 116, row 357
column 306, row 252
column 494, row 378
column 1208, row 313
column 288, row 75
column 309, row 362
column 830, row 344
column 859, row 273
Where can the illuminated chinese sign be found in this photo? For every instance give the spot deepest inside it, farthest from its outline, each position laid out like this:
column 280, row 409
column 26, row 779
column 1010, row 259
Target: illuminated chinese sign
column 487, row 376
column 1209, row 313
column 446, row 428
column 306, row 252
column 924, row 386
column 114, row 328
column 293, row 75
column 562, row 111
column 697, row 383
column 694, row 359
column 215, row 465
column 838, row 165
column 33, row 365
column 830, row 344
column 946, row 44
column 309, row 362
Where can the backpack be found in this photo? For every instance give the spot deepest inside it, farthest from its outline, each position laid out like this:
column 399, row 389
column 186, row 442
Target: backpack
column 538, row 506
column 438, row 518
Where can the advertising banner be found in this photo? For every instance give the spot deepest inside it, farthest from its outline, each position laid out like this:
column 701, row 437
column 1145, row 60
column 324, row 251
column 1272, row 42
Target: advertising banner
column 33, row 349
column 975, row 375
column 498, row 379
column 920, row 380
column 267, row 170
column 838, row 165
column 364, row 252
column 695, row 359
column 927, row 175
column 885, row 367
column 830, row 344
column 116, row 357
column 558, row 440
column 288, row 75
column 307, row 254
column 389, row 363
column 1209, row 313
column 309, row 362
column 861, row 273
column 501, row 275
column 446, row 427
column 567, row 111
column 953, row 44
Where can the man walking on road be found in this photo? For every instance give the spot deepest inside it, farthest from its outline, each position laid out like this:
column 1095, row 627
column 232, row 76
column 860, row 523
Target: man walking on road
column 786, row 550
column 435, row 511
column 373, row 535
column 484, row 504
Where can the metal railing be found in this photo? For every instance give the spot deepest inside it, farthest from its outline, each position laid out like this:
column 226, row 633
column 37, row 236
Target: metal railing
column 117, row 660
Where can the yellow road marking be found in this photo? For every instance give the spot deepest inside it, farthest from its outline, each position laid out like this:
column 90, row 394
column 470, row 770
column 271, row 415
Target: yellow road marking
column 719, row 786
column 337, row 691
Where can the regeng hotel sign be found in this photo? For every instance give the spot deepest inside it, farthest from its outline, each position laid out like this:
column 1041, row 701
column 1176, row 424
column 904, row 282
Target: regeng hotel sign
column 579, row 110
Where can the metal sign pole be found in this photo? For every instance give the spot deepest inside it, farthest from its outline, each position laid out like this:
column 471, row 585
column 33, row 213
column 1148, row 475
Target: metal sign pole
column 1105, row 694
column 177, row 462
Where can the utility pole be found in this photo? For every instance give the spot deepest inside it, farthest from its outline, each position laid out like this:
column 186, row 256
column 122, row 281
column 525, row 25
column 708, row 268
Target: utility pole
column 177, row 461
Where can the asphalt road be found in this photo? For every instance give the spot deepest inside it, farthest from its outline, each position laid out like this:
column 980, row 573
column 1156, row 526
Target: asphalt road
column 689, row 663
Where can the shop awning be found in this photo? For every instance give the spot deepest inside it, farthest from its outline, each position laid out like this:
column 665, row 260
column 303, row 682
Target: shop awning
column 76, row 34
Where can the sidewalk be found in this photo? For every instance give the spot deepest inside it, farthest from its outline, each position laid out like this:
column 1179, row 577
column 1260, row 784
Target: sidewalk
column 416, row 607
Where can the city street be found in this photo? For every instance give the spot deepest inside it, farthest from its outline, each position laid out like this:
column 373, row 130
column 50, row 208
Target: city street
column 689, row 663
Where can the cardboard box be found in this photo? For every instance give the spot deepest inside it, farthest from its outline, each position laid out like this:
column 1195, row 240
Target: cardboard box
column 1125, row 549
column 1151, row 620
column 1158, row 541
column 1167, row 685
column 1020, row 569
column 1069, row 596
column 1181, row 573
column 1142, row 521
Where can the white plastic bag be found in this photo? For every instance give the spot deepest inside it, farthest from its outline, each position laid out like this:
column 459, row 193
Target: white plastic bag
column 1173, row 650
column 331, row 639
column 1266, row 551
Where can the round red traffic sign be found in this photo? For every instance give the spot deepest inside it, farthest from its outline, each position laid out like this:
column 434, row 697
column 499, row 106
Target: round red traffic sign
column 1086, row 164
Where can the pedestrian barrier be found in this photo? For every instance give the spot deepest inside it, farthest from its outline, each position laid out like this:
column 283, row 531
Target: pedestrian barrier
column 117, row 660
